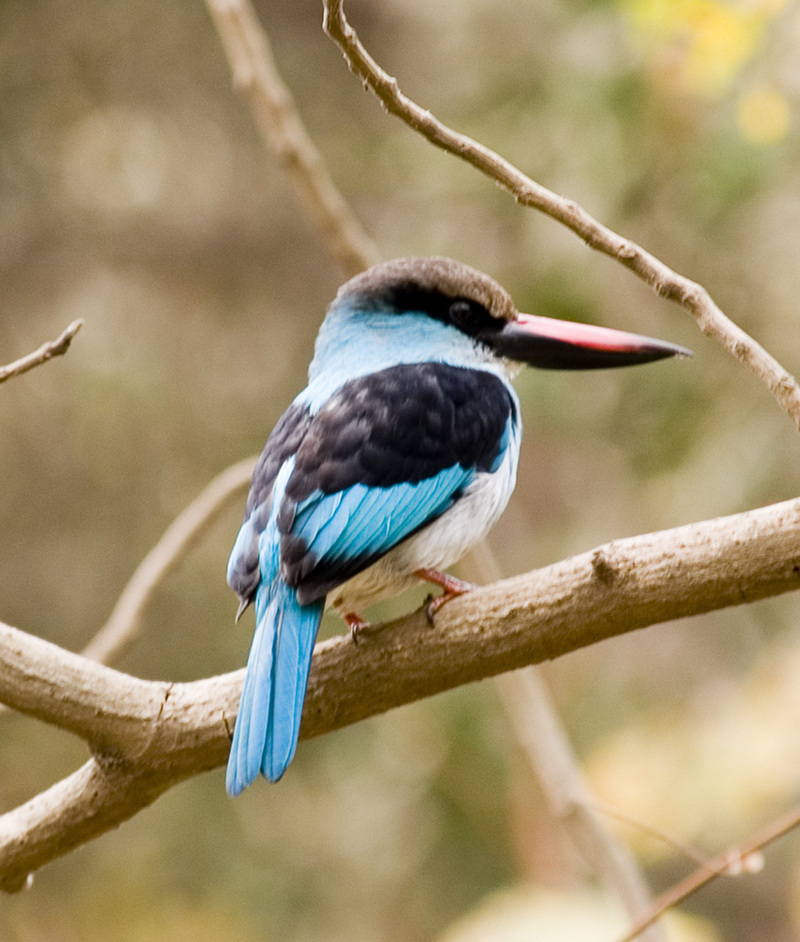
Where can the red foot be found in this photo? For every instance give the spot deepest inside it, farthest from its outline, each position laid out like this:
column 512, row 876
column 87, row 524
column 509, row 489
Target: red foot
column 355, row 624
column 452, row 589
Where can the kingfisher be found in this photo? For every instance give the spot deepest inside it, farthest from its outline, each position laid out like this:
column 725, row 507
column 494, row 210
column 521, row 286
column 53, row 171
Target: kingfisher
column 398, row 456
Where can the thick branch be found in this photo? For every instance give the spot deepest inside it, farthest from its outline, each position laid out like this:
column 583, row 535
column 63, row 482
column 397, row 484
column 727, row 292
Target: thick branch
column 666, row 282
column 187, row 735
column 161, row 734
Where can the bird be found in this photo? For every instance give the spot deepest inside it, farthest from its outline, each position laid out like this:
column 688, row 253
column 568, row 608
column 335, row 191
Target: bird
column 398, row 456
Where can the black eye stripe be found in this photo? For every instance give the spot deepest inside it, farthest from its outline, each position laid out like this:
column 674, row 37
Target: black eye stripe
column 472, row 318
column 462, row 312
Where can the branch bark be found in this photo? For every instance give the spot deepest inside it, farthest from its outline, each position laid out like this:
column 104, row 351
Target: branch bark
column 148, row 736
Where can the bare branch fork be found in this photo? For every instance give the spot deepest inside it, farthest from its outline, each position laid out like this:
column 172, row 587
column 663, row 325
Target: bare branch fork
column 146, row 736
column 732, row 861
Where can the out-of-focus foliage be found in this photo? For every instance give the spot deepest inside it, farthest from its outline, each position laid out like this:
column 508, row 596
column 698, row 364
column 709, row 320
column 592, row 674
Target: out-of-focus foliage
column 134, row 193
column 522, row 914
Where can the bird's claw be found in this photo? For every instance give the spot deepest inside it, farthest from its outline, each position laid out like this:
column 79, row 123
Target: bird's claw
column 355, row 625
column 452, row 588
column 434, row 603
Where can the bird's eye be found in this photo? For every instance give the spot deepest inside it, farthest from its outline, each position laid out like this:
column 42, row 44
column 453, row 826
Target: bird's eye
column 469, row 317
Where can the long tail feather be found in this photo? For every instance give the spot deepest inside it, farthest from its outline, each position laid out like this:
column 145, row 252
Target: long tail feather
column 265, row 735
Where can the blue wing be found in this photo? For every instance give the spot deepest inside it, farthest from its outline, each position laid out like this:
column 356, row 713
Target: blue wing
column 343, row 533
column 335, row 536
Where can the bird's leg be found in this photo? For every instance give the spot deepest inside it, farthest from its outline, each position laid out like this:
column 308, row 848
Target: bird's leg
column 355, row 624
column 451, row 587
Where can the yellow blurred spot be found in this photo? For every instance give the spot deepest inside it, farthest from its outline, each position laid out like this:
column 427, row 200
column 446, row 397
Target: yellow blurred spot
column 706, row 775
column 519, row 914
column 763, row 116
column 721, row 40
column 700, row 46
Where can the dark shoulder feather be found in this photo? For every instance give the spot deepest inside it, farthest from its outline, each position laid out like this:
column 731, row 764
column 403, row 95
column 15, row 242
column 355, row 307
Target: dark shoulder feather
column 402, row 425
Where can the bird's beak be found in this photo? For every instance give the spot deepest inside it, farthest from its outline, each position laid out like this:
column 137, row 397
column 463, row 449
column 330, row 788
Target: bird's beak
column 550, row 344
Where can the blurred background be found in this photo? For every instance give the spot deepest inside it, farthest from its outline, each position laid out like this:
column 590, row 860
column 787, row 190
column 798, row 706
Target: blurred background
column 134, row 193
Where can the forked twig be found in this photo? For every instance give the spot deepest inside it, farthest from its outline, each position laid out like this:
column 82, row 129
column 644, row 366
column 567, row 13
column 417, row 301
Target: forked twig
column 736, row 860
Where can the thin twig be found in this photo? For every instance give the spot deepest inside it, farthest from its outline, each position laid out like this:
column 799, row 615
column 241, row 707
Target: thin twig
column 735, row 861
column 658, row 833
column 47, row 351
column 664, row 281
column 182, row 534
column 256, row 75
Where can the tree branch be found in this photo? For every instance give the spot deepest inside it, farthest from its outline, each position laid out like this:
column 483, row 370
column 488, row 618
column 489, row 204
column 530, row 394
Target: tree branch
column 148, row 736
column 178, row 539
column 734, row 862
column 53, row 348
column 256, row 75
column 667, row 283
column 544, row 742
column 530, row 709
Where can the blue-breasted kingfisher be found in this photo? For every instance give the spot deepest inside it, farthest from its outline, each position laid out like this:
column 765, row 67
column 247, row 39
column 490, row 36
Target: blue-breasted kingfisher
column 398, row 456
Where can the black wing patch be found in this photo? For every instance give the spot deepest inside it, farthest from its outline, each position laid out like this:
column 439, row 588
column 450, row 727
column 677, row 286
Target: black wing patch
column 244, row 569
column 283, row 442
column 402, row 425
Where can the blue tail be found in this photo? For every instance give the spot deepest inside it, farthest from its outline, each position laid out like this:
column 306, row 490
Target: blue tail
column 265, row 735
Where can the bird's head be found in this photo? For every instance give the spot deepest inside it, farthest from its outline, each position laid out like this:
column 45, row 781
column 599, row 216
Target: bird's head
column 476, row 305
